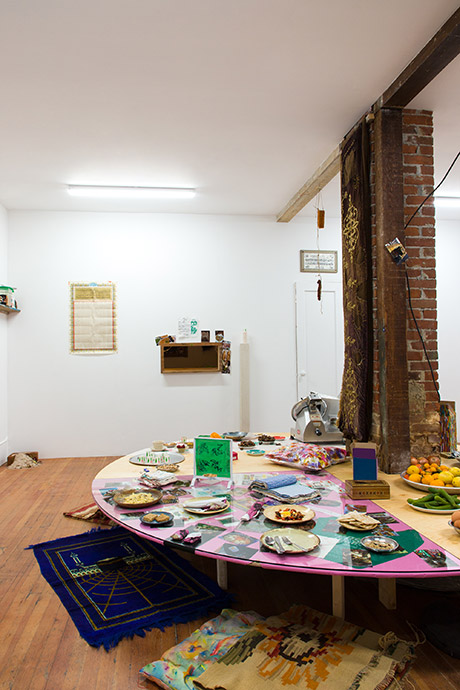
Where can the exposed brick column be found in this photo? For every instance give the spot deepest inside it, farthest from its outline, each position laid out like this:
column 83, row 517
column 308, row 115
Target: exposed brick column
column 418, row 162
column 418, row 180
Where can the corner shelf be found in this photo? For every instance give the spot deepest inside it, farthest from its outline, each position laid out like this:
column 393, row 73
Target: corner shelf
column 190, row 357
column 8, row 310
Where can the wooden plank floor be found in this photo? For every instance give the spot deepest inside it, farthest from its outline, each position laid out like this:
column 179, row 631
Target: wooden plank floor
column 40, row 648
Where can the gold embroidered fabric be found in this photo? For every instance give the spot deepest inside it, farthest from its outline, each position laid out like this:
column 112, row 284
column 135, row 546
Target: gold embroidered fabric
column 356, row 395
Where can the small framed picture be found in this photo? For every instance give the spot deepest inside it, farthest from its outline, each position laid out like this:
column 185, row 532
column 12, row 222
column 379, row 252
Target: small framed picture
column 318, row 261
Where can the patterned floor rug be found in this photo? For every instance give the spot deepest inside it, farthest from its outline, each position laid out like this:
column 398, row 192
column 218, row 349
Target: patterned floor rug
column 302, row 649
column 115, row 584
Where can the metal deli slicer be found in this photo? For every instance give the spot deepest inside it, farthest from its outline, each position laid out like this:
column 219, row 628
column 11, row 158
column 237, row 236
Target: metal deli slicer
column 315, row 419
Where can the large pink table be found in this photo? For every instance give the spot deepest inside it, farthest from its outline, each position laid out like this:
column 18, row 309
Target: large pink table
column 226, row 538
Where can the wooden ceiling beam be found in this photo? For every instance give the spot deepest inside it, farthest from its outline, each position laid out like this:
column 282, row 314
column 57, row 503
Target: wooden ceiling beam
column 430, row 61
column 324, row 174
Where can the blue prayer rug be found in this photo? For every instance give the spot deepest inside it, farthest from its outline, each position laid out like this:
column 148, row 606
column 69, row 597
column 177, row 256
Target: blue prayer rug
column 115, row 584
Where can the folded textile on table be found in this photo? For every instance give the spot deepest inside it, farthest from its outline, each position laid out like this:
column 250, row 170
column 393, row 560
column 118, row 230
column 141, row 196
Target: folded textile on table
column 275, row 481
column 302, row 649
column 283, row 487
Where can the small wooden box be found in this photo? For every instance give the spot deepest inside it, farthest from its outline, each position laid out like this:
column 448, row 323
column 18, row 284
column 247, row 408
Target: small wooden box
column 377, row 488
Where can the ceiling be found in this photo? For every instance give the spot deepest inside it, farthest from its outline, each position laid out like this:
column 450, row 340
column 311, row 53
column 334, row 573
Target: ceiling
column 242, row 100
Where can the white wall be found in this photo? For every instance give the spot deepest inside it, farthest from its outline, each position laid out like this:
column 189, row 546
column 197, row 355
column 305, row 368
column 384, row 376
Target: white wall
column 231, row 272
column 3, row 339
column 447, row 271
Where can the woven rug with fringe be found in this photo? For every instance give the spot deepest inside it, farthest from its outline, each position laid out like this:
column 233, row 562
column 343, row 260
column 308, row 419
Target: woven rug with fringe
column 309, row 650
column 115, row 584
column 302, row 649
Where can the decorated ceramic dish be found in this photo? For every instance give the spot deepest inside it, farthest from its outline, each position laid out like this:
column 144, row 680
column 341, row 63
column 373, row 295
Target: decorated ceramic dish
column 154, row 459
column 235, row 435
column 426, row 487
column 290, row 540
column 157, row 518
column 289, row 514
column 255, row 451
column 137, row 498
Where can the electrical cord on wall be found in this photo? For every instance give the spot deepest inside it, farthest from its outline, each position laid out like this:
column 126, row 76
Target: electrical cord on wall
column 408, row 282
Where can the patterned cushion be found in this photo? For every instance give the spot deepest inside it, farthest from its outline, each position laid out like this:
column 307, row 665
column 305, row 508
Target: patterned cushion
column 308, row 456
column 187, row 660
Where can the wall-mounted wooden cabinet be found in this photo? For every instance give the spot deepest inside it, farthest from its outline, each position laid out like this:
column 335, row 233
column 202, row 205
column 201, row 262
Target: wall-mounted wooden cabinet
column 8, row 310
column 190, row 357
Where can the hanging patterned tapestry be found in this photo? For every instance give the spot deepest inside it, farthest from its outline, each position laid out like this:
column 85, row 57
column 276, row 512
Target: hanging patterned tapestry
column 356, row 395
column 93, row 328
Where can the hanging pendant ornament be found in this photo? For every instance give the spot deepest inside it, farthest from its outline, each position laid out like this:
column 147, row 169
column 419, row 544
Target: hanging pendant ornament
column 320, row 214
column 318, row 292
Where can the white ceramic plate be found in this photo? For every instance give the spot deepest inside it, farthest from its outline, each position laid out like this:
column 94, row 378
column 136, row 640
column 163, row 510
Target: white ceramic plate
column 307, row 541
column 307, row 513
column 160, row 458
column 432, row 510
column 425, row 487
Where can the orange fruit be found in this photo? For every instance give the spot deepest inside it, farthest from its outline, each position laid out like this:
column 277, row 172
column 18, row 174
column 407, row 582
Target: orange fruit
column 415, row 477
column 437, row 482
column 426, row 479
column 413, row 469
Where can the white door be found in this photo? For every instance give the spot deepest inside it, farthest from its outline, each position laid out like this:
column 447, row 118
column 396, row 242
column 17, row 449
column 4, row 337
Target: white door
column 319, row 336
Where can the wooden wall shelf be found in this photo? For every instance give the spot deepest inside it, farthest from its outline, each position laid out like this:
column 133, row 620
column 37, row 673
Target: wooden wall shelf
column 190, row 357
column 8, row 310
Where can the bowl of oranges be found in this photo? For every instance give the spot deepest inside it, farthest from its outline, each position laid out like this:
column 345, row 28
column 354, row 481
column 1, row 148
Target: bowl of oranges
column 425, row 472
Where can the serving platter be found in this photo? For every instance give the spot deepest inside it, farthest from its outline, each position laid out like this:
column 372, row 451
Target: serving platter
column 137, row 498
column 270, row 513
column 380, row 544
column 425, row 487
column 448, row 511
column 157, row 458
column 307, row 541
column 192, row 505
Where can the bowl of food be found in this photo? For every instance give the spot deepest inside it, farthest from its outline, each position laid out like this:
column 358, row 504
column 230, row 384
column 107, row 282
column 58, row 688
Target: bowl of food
column 455, row 521
column 137, row 498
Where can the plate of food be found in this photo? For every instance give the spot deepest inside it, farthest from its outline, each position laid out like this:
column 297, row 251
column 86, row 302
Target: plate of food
column 288, row 514
column 454, row 490
column 157, row 518
column 358, row 522
column 154, row 458
column 206, row 505
column 289, row 540
column 255, row 451
column 235, row 435
column 434, row 511
column 137, row 498
column 379, row 544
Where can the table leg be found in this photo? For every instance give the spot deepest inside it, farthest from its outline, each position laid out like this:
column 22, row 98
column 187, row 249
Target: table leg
column 387, row 592
column 222, row 580
column 338, row 596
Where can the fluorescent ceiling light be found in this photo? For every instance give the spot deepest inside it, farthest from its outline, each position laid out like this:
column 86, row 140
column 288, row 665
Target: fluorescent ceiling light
column 447, row 201
column 113, row 192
